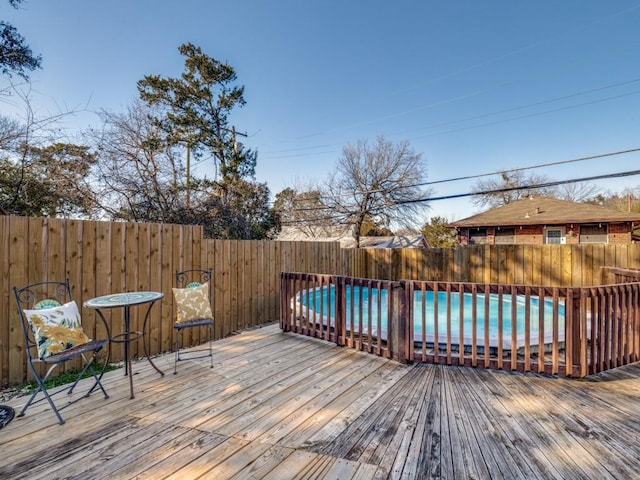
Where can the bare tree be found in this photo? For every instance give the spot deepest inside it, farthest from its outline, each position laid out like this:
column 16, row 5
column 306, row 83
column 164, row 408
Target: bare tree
column 11, row 132
column 140, row 176
column 577, row 191
column 302, row 209
column 627, row 200
column 508, row 187
column 512, row 185
column 382, row 183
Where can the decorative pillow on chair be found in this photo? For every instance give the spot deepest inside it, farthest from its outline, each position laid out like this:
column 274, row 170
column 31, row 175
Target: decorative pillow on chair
column 192, row 303
column 56, row 329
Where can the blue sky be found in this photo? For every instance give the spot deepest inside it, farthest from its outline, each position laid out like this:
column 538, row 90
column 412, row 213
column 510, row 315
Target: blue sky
column 475, row 86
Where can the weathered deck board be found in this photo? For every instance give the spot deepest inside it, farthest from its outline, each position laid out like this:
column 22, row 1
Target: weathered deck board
column 281, row 406
column 487, row 427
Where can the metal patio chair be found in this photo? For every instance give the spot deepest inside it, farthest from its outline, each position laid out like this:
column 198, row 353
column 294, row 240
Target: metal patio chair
column 53, row 335
column 193, row 299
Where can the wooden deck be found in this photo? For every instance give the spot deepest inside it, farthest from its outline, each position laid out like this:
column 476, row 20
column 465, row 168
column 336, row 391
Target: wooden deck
column 282, row 406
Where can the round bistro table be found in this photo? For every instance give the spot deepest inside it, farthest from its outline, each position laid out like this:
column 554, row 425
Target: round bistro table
column 125, row 301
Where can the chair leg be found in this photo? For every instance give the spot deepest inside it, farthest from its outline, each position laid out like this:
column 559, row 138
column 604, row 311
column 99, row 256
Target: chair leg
column 97, row 378
column 178, row 347
column 42, row 388
column 177, row 355
column 53, row 406
column 211, row 344
column 41, row 381
column 33, row 396
column 80, row 375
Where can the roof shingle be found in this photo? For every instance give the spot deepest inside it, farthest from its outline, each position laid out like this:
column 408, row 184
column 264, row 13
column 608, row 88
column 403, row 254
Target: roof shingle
column 543, row 210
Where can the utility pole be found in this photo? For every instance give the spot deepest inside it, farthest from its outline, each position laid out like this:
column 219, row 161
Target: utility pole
column 233, row 136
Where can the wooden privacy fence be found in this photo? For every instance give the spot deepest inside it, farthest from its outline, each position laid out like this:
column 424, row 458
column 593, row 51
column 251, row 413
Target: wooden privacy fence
column 110, row 257
column 572, row 331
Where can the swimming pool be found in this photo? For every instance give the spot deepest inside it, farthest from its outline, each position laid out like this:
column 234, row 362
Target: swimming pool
column 319, row 305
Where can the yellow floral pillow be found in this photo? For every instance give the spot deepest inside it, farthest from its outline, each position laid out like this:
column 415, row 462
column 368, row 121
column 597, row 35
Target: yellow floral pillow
column 56, row 329
column 193, row 303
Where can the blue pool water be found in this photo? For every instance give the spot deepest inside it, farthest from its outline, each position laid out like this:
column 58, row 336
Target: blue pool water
column 319, row 304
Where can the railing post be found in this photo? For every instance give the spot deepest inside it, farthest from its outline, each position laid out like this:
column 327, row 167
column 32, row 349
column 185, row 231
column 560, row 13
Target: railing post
column 395, row 323
column 584, row 334
column 576, row 332
column 401, row 313
column 340, row 326
column 284, row 295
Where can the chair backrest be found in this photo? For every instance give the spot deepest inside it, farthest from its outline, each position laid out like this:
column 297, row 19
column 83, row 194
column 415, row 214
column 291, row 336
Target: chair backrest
column 36, row 296
column 194, row 278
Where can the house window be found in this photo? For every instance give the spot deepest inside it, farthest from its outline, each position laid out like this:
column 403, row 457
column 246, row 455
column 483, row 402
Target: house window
column 478, row 236
column 593, row 233
column 505, row 236
column 554, row 236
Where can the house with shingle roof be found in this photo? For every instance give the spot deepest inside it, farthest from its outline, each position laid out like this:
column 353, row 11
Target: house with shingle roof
column 543, row 220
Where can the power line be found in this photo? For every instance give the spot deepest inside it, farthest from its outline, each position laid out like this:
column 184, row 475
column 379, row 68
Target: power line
column 498, row 190
column 532, row 167
column 288, row 150
column 536, row 114
column 480, row 175
column 523, row 48
column 529, row 105
column 527, row 187
column 299, row 154
column 476, row 117
column 483, row 63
